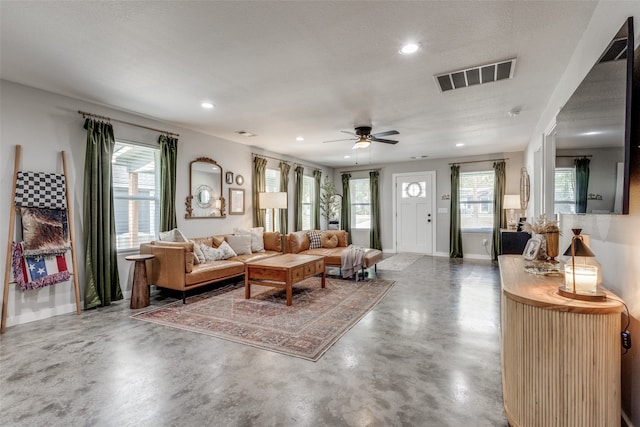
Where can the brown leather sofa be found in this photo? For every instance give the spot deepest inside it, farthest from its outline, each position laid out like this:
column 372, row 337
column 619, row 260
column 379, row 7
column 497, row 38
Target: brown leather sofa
column 173, row 264
column 299, row 243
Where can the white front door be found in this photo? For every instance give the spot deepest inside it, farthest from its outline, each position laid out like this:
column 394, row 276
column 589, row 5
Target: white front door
column 415, row 218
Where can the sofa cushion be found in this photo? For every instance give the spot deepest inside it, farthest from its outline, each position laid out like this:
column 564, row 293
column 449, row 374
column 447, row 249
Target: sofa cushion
column 329, row 240
column 216, row 241
column 314, row 239
column 254, row 256
column 174, row 235
column 240, row 244
column 203, row 241
column 214, row 270
column 298, row 241
column 256, row 234
column 272, row 241
column 198, row 257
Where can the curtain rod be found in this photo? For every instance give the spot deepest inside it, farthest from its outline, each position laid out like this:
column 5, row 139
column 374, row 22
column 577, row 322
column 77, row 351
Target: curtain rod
column 85, row 115
column 478, row 161
column 361, row 170
column 282, row 160
column 575, row 157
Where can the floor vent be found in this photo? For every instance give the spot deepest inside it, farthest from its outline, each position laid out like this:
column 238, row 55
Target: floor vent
column 616, row 50
column 476, row 75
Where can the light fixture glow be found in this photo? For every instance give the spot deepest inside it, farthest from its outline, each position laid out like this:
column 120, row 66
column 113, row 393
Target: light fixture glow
column 347, row 156
column 460, row 144
column 299, row 138
column 207, row 105
column 409, row 48
column 363, row 142
column 594, row 132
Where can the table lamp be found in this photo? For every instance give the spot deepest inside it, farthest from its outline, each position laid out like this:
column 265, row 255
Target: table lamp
column 272, row 200
column 511, row 202
column 581, row 279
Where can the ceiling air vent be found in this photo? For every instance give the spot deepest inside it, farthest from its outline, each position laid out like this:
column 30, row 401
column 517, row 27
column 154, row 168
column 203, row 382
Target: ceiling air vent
column 616, row 50
column 476, row 75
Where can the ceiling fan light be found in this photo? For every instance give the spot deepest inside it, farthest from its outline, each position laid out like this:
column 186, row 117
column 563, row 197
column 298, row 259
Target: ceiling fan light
column 361, row 144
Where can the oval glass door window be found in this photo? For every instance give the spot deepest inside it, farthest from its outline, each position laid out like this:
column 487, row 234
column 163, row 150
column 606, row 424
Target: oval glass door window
column 413, row 189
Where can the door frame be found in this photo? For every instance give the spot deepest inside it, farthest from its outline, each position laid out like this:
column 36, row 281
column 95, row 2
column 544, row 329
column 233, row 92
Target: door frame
column 394, row 213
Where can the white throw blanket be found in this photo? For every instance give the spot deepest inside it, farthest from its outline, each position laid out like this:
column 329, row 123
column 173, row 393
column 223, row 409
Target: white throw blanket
column 352, row 260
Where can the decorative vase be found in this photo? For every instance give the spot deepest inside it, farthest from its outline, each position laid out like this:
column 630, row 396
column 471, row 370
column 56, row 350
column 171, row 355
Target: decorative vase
column 553, row 245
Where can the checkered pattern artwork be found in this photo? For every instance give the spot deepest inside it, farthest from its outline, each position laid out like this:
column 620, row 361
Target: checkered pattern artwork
column 41, row 190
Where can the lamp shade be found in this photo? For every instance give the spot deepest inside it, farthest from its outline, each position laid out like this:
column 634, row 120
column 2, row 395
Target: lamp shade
column 511, row 201
column 272, row 200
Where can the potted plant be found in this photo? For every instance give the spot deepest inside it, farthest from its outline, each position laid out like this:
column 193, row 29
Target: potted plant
column 329, row 203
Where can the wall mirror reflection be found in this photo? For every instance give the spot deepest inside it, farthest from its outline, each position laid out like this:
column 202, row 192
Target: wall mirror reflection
column 592, row 135
column 205, row 198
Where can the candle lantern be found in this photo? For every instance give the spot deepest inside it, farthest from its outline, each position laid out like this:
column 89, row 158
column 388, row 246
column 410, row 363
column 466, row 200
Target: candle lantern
column 581, row 278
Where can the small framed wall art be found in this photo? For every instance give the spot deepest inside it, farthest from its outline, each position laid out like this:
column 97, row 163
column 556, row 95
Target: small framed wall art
column 531, row 249
column 229, row 178
column 236, row 201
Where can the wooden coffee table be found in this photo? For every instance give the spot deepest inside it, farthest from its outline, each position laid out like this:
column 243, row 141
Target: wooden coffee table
column 282, row 271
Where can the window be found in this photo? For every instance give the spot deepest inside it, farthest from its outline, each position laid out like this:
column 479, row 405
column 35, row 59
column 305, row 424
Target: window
column 476, row 200
column 565, row 190
column 272, row 184
column 136, row 180
column 360, row 203
column 308, row 193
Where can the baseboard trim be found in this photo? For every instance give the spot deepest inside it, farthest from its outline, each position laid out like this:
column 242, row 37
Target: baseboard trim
column 41, row 314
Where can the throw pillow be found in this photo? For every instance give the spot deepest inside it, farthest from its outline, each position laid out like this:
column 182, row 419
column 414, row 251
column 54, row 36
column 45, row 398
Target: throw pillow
column 227, row 251
column 199, row 257
column 314, row 238
column 257, row 237
column 329, row 240
column 211, row 254
column 240, row 244
column 174, row 235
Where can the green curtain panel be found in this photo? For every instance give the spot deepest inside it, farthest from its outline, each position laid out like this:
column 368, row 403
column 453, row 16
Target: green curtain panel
column 168, row 161
column 499, row 217
column 374, row 231
column 259, row 186
column 102, row 284
column 317, row 176
column 299, row 183
column 455, row 233
column 284, row 187
column 582, row 183
column 345, row 216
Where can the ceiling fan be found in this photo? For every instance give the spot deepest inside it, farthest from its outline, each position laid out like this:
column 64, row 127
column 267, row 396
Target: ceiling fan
column 364, row 137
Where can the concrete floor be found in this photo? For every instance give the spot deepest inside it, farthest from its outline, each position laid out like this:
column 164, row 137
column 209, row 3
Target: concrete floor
column 426, row 355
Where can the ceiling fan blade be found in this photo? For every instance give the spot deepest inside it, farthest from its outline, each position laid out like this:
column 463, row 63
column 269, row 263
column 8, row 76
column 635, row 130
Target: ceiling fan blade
column 386, row 141
column 349, row 132
column 336, row 140
column 387, row 133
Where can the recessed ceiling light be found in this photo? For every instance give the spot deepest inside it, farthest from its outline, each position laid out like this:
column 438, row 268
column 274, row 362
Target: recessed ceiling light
column 299, row 138
column 245, row 133
column 419, row 157
column 514, row 113
column 206, row 105
column 409, row 48
column 460, row 144
column 347, row 157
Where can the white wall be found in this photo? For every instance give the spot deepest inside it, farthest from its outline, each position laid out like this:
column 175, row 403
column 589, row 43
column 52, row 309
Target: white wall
column 45, row 124
column 613, row 238
column 471, row 242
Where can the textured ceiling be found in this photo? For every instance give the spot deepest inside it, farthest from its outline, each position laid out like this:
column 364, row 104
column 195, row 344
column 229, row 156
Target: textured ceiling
column 305, row 68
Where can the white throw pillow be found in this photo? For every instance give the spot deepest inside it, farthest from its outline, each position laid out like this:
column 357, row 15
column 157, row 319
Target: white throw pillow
column 257, row 237
column 226, row 250
column 174, row 235
column 211, row 254
column 240, row 244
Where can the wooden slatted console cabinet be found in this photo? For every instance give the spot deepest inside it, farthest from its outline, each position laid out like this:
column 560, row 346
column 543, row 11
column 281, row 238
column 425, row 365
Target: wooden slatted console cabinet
column 560, row 356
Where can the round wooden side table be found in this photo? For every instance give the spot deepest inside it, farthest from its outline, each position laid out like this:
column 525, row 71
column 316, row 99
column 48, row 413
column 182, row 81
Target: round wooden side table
column 140, row 287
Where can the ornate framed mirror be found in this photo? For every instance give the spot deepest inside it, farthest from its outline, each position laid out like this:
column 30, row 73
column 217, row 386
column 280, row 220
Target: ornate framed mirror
column 205, row 198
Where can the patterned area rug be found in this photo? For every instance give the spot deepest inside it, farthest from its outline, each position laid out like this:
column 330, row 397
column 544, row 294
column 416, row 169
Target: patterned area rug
column 398, row 262
column 306, row 329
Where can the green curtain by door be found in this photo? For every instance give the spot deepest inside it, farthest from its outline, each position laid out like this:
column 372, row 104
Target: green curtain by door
column 499, row 218
column 582, row 183
column 374, row 231
column 168, row 160
column 299, row 183
column 317, row 182
column 284, row 187
column 259, row 186
column 455, row 234
column 345, row 216
column 102, row 284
